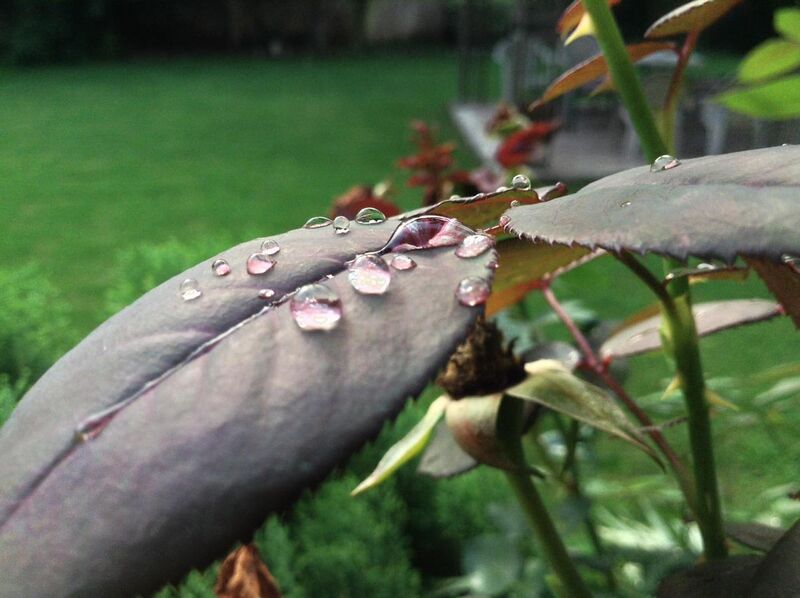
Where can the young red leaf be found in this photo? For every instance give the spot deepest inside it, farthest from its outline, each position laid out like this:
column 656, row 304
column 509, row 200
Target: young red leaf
column 690, row 17
column 176, row 427
column 572, row 15
column 516, row 150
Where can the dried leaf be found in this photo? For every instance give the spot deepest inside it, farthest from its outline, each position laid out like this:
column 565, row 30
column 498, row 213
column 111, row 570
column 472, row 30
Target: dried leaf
column 783, row 281
column 244, row 575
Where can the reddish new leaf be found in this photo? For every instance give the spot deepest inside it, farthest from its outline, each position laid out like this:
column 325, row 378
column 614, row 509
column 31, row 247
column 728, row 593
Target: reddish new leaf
column 691, row 17
column 572, row 15
column 517, row 148
column 783, row 281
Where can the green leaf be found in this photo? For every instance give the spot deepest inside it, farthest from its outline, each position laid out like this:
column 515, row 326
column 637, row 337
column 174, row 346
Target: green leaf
column 690, row 17
column 645, row 335
column 787, row 23
column 772, row 58
column 778, row 100
column 550, row 384
column 754, row 535
column 406, row 448
column 716, row 207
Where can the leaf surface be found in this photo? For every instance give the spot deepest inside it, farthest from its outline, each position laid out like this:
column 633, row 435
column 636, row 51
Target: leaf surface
column 221, row 412
column 754, row 535
column 778, row 574
column 716, row 207
column 775, row 100
column 727, row 578
column 772, row 58
column 443, row 458
column 690, row 17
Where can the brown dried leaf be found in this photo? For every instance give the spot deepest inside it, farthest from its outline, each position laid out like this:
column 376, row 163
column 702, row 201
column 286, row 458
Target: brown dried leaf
column 244, row 575
column 783, row 281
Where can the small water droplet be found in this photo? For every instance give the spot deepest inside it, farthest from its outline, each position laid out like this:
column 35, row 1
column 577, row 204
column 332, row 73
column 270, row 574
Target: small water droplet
column 258, row 264
column 270, row 247
column 317, row 222
column 316, row 307
column 474, row 245
column 521, row 182
column 472, row 291
column 624, row 204
column 190, row 289
column 515, row 204
column 341, row 225
column 665, row 162
column 403, row 262
column 493, row 265
column 426, row 232
column 369, row 275
column 370, row 216
column 221, row 267
column 503, row 221
column 266, row 294
column 791, row 260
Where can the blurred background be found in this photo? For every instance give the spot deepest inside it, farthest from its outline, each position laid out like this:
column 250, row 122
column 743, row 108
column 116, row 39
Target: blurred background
column 138, row 137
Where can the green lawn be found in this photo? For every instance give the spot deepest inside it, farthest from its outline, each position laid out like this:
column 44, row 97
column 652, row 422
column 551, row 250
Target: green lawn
column 94, row 159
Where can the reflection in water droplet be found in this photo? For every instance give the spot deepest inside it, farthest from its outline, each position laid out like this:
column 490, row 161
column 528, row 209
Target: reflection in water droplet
column 369, row 275
column 317, row 222
column 624, row 204
column 403, row 262
column 258, row 264
column 474, row 245
column 266, row 294
column 370, row 216
column 426, row 232
column 791, row 260
column 472, row 291
column 220, row 267
column 515, row 204
column 190, row 289
column 702, row 268
column 316, row 307
column 521, row 182
column 341, row 225
column 270, row 247
column 665, row 162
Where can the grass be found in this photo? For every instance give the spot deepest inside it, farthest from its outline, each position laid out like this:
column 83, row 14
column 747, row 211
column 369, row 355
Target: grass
column 94, row 159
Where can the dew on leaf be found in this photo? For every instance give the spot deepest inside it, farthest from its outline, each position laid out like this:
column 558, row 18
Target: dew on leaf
column 266, row 294
column 521, row 183
column 316, row 307
column 341, row 225
column 370, row 216
column 190, row 289
column 426, row 232
column 515, row 203
column 472, row 291
column 624, row 204
column 403, row 262
column 369, row 275
column 474, row 245
column 317, row 222
column 258, row 264
column 665, row 162
column 270, row 247
column 221, row 267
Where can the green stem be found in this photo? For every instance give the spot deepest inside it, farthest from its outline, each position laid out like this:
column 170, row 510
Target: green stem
column 679, row 324
column 550, row 544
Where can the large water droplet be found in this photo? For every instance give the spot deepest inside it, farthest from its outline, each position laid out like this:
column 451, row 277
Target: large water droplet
column 316, row 307
column 624, row 204
column 270, row 247
column 370, row 216
column 472, row 291
column 426, row 232
column 474, row 245
column 521, row 182
column 190, row 289
column 258, row 264
column 266, row 294
column 665, row 162
column 341, row 225
column 221, row 267
column 317, row 222
column 369, row 275
column 402, row 262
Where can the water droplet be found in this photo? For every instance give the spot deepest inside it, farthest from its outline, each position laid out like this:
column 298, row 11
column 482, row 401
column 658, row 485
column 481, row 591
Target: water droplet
column 270, row 247
column 515, row 203
column 316, row 307
column 317, row 222
column 493, row 265
column 370, row 216
column 791, row 260
column 266, row 294
column 472, row 291
column 503, row 221
column 624, row 204
column 258, row 264
column 403, row 262
column 474, row 245
column 665, row 162
column 521, row 182
column 369, row 275
column 190, row 289
column 341, row 225
column 426, row 232
column 221, row 267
